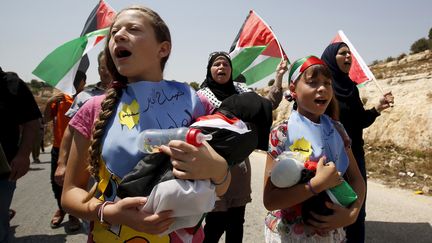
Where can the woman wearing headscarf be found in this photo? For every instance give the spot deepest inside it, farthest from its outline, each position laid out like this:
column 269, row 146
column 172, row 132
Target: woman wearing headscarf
column 228, row 215
column 353, row 116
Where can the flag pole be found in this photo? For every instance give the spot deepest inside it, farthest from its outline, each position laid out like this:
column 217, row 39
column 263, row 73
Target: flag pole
column 379, row 87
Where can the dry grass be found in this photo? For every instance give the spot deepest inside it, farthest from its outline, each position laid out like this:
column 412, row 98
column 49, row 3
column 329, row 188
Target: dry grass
column 400, row 167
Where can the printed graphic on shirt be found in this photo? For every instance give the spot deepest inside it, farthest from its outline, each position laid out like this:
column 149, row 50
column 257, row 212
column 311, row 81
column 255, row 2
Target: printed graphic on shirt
column 129, row 114
column 302, row 146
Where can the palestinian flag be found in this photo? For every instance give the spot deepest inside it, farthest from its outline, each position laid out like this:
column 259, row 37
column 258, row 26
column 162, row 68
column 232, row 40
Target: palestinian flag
column 255, row 52
column 359, row 71
column 60, row 66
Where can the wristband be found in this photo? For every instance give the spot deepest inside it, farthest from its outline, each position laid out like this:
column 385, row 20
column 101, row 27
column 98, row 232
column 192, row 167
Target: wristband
column 100, row 214
column 224, row 179
column 311, row 189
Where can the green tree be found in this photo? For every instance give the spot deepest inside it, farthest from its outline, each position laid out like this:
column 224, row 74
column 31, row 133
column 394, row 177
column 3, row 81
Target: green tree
column 194, row 85
column 430, row 34
column 420, row 45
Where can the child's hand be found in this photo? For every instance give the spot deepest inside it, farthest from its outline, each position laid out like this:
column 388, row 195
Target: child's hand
column 126, row 211
column 190, row 162
column 326, row 176
column 341, row 217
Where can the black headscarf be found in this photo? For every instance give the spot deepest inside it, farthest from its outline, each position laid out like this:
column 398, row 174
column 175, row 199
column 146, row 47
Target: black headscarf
column 221, row 91
column 342, row 83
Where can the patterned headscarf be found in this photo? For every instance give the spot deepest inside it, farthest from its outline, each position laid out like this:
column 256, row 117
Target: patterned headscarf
column 300, row 65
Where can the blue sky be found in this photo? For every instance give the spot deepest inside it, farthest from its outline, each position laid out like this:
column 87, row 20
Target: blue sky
column 30, row 30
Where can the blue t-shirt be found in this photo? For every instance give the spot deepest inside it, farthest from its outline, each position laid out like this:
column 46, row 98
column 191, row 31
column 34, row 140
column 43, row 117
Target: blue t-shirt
column 145, row 105
column 313, row 140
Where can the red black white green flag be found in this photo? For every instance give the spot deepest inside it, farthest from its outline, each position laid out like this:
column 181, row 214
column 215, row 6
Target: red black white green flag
column 60, row 66
column 255, row 52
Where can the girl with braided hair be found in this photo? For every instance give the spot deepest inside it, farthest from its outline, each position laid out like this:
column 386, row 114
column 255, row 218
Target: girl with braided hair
column 137, row 48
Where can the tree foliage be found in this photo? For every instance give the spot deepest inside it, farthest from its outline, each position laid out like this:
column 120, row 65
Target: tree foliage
column 194, row 85
column 419, row 45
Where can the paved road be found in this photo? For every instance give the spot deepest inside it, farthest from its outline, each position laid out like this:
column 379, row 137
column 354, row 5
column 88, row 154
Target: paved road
column 393, row 215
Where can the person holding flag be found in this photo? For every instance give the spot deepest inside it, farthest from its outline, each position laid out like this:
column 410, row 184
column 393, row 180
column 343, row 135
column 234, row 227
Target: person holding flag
column 353, row 116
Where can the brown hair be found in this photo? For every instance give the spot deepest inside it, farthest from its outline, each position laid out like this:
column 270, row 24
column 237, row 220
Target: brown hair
column 114, row 93
column 160, row 29
column 333, row 108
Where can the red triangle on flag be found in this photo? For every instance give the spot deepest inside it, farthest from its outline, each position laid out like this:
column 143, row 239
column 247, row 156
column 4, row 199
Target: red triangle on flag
column 255, row 32
column 104, row 15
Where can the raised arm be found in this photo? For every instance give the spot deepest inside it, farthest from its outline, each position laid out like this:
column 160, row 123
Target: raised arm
column 275, row 94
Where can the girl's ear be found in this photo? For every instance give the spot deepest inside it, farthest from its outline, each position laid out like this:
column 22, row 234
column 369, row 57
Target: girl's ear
column 165, row 49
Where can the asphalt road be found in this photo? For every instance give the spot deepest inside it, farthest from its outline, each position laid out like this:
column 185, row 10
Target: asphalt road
column 393, row 215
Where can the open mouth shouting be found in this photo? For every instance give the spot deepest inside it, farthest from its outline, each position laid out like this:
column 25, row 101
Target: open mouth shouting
column 221, row 74
column 321, row 101
column 122, row 53
column 347, row 64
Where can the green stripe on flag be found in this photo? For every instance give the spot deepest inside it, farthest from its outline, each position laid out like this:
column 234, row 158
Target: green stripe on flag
column 261, row 70
column 58, row 63
column 242, row 60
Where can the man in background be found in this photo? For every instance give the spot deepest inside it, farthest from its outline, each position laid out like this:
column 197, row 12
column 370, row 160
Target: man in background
column 18, row 128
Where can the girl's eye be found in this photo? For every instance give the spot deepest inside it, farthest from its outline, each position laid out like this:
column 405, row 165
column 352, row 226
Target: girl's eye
column 134, row 28
column 310, row 81
column 113, row 32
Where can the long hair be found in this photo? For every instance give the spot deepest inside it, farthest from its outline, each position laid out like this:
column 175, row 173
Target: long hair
column 114, row 93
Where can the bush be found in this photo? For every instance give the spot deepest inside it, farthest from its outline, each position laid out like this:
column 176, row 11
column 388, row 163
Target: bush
column 375, row 62
column 420, row 45
column 379, row 76
column 194, row 85
column 401, row 56
column 389, row 59
column 430, row 34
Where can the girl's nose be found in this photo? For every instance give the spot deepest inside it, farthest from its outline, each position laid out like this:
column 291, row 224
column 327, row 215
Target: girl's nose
column 322, row 88
column 120, row 35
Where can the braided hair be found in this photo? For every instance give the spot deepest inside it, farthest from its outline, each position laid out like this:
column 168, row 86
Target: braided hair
column 114, row 93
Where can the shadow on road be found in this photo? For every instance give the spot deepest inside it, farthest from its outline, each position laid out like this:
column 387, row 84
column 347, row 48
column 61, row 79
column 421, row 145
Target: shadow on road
column 36, row 238
column 398, row 232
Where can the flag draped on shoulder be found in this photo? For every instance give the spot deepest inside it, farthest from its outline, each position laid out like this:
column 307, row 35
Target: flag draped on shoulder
column 60, row 66
column 255, row 52
column 359, row 71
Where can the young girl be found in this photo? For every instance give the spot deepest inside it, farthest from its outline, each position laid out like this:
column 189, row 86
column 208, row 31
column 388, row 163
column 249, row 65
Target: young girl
column 137, row 48
column 309, row 131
